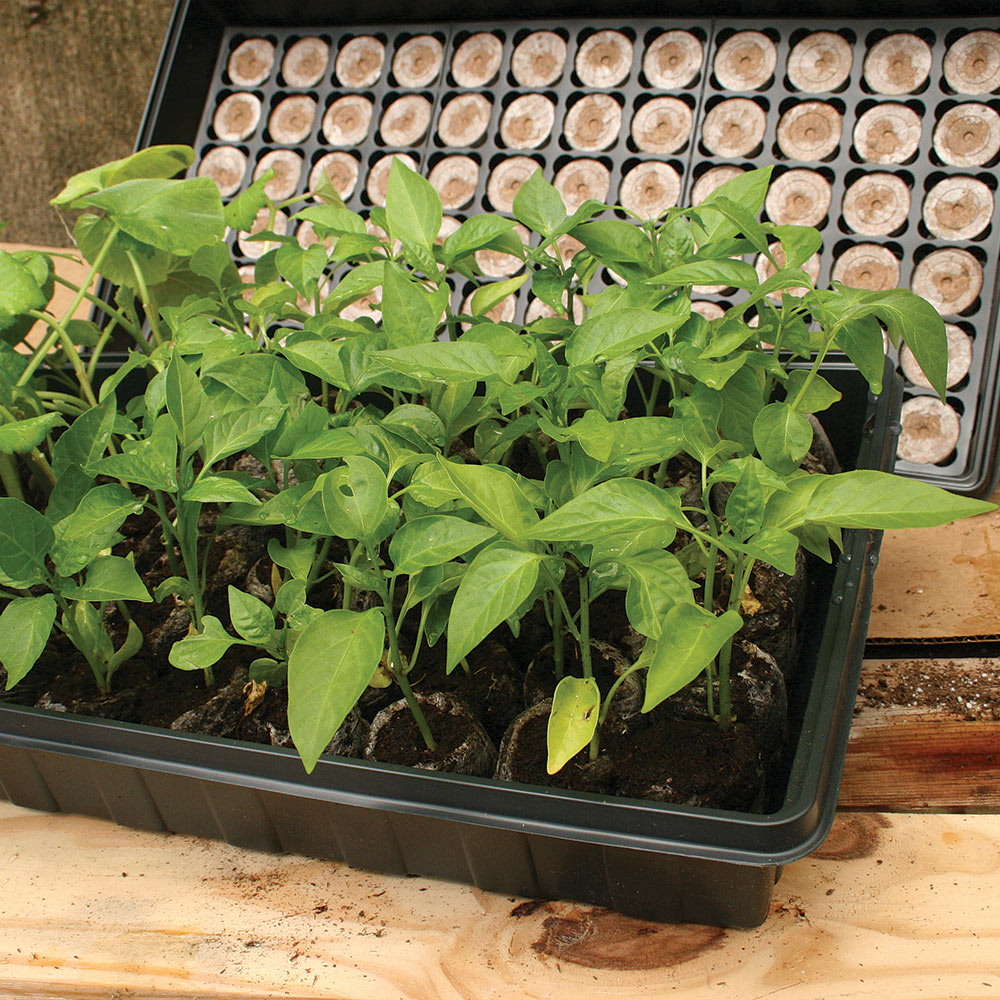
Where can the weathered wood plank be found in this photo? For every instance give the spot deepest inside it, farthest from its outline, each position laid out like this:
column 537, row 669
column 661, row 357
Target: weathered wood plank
column 898, row 906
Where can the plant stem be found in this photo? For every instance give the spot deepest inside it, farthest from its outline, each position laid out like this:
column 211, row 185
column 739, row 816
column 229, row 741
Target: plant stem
column 147, row 299
column 69, row 348
column 169, row 537
column 585, row 659
column 9, row 477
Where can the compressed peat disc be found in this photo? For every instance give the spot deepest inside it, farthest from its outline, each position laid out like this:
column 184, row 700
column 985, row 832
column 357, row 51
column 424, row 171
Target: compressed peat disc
column 887, row 133
column 378, row 175
column 958, row 208
column 798, row 198
column 898, row 64
column 341, row 170
column 292, row 119
column 950, row 279
column 672, row 60
column 972, row 64
column 455, row 179
column 251, row 62
column 968, row 135
column 593, row 123
column 464, row 119
column 820, row 62
column 959, row 359
column 527, row 121
column 287, row 167
column 496, row 264
column 867, row 266
column 745, row 61
column 809, row 131
column 417, row 61
column 226, row 165
column 710, row 310
column 877, row 204
column 237, row 117
column 930, row 431
column 734, row 127
column 305, row 62
column 765, row 269
column 505, row 181
column 502, row 312
column 476, row 61
column 255, row 249
column 538, row 59
column 604, row 59
column 405, row 121
column 580, row 180
column 711, row 179
column 649, row 189
column 662, row 125
column 347, row 120
column 359, row 62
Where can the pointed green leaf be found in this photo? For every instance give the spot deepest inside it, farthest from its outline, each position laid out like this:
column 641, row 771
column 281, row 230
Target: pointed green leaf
column 109, row 578
column 251, row 617
column 731, row 273
column 435, row 539
column 25, row 625
column 93, row 526
column 783, row 436
column 187, row 404
column 409, row 313
column 576, row 707
column 617, row 333
column 356, row 501
column 412, row 206
column 85, row 440
column 21, row 436
column 657, row 583
column 219, row 489
column 539, row 206
column 442, row 361
column 238, row 430
column 495, row 496
column 203, row 649
column 493, row 293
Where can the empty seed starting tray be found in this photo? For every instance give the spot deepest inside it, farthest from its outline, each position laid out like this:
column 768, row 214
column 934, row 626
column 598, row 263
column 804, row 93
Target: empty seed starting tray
column 884, row 136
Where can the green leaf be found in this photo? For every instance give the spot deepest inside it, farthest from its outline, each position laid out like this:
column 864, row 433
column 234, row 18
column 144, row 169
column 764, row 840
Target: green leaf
column 70, row 488
column 442, row 361
column 412, row 206
column 809, row 395
column 219, row 489
column 493, row 293
column 782, row 436
column 616, row 506
column 576, row 706
column 155, row 161
column 22, row 436
column 296, row 558
column 328, row 670
column 498, row 581
column 731, row 273
column 25, row 625
column 614, row 241
column 93, row 526
column 187, row 404
column 109, row 578
column 251, row 617
column 356, row 501
column 861, row 340
column 474, row 234
column 691, row 639
column 657, row 583
column 302, row 269
column 798, row 242
column 238, row 430
column 539, row 206
column 151, row 463
column 409, row 314
column 203, row 649
column 745, row 506
column 85, row 440
column 335, row 442
column 241, row 213
column 748, row 191
column 19, row 291
column 775, row 547
column 495, row 496
column 615, row 334
column 435, row 539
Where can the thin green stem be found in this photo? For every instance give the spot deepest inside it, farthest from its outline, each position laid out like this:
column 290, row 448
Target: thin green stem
column 116, row 314
column 147, row 298
column 169, row 536
column 9, row 477
column 69, row 349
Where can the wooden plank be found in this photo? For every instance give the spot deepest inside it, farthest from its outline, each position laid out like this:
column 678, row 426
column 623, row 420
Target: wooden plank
column 899, row 906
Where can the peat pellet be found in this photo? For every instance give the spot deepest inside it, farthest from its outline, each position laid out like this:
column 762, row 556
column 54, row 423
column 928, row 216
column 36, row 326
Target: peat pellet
column 972, row 64
column 505, row 181
column 476, row 61
column 672, row 60
column 255, row 249
column 292, row 119
column 950, row 279
column 809, row 131
column 959, row 359
column 822, row 61
column 347, row 120
column 305, row 62
column 378, row 176
column 593, row 123
column 930, row 431
column 495, row 264
column 898, row 64
column 359, row 62
column 798, row 198
column 877, row 204
column 711, row 179
column 287, row 167
column 341, row 170
column 968, row 135
column 455, row 179
column 662, row 125
column 250, row 63
column 887, row 133
column 237, row 117
column 464, row 119
column 527, row 121
column 538, row 59
column 745, row 61
column 405, row 121
column 502, row 312
column 226, row 165
column 580, row 180
column 418, row 61
column 867, row 266
column 710, row 310
column 604, row 59
column 650, row 189
column 958, row 208
column 765, row 269
column 734, row 127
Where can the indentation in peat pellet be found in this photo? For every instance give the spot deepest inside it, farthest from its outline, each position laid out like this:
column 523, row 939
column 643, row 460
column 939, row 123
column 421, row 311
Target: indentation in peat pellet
column 854, row 836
